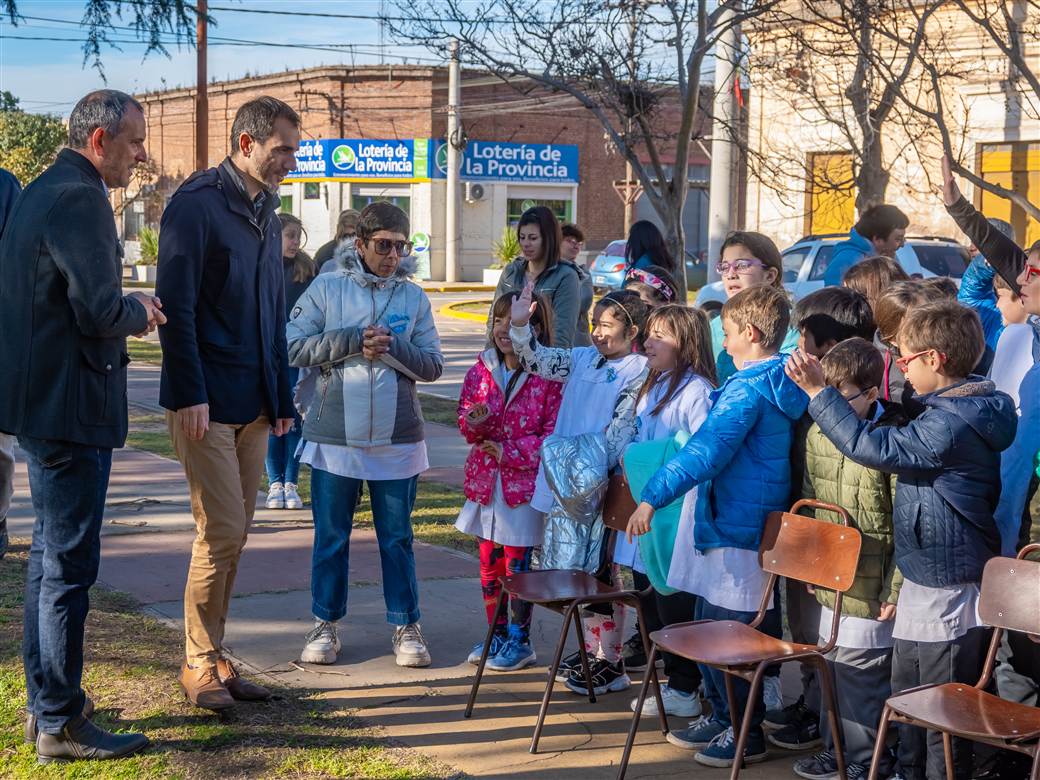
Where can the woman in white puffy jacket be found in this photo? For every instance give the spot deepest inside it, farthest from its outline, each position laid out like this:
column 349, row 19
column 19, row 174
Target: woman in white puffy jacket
column 368, row 335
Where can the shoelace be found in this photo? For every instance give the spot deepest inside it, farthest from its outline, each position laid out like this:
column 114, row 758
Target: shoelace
column 724, row 739
column 701, row 721
column 411, row 632
column 323, row 629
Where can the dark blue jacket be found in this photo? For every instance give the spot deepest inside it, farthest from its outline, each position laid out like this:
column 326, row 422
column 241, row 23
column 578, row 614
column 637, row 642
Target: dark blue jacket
column 947, row 464
column 744, row 448
column 63, row 317
column 220, row 281
column 9, row 190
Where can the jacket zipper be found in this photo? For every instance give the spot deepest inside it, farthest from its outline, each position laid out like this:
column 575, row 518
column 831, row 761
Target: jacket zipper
column 371, row 379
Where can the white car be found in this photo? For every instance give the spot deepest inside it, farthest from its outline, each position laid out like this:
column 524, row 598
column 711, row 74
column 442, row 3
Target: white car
column 805, row 264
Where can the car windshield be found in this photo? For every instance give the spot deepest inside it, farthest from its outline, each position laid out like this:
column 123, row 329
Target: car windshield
column 943, row 259
column 794, row 259
column 615, row 249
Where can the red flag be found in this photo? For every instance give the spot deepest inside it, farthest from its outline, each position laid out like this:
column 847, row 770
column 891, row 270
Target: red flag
column 737, row 91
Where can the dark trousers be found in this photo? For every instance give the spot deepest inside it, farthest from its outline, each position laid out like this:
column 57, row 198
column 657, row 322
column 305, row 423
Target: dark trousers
column 920, row 752
column 715, row 680
column 68, row 484
column 803, row 618
column 683, row 675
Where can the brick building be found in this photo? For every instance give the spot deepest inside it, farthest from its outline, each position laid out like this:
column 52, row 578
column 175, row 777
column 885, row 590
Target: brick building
column 373, row 132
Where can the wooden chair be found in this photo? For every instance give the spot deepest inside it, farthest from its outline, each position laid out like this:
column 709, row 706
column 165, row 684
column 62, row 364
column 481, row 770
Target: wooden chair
column 1009, row 601
column 566, row 592
column 793, row 546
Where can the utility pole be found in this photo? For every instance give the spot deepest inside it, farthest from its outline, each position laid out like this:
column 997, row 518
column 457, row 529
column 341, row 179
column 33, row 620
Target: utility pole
column 201, row 96
column 721, row 195
column 451, row 217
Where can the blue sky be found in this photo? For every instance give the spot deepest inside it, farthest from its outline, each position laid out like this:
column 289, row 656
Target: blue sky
column 51, row 76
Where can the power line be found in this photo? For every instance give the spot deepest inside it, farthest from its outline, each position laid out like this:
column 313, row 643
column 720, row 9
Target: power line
column 369, row 17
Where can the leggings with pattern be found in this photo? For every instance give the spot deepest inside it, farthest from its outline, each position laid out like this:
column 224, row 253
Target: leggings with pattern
column 497, row 560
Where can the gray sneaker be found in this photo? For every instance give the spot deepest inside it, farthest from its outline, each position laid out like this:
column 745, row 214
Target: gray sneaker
column 322, row 643
column 410, row 647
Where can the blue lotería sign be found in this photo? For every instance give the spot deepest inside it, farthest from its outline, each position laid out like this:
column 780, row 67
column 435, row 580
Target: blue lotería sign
column 503, row 161
column 362, row 160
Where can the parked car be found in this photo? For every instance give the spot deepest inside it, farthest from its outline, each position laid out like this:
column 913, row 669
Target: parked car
column 608, row 269
column 805, row 264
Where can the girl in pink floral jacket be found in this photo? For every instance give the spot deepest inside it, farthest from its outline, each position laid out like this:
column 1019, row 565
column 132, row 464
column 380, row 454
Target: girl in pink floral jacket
column 505, row 414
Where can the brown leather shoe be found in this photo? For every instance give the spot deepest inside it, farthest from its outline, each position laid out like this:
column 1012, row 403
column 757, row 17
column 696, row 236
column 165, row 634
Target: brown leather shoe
column 203, row 688
column 30, row 722
column 239, row 687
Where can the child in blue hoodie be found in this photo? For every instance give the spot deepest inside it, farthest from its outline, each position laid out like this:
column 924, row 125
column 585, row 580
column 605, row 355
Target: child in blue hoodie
column 946, row 461
column 743, row 449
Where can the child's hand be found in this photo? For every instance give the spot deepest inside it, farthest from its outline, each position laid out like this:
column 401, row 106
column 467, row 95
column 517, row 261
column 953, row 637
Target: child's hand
column 810, row 588
column 523, row 306
column 492, row 448
column 477, row 414
column 639, row 522
column 806, row 372
column 950, row 191
column 888, row 611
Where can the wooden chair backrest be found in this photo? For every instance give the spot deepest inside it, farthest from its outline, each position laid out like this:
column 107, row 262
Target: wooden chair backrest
column 1010, row 596
column 809, row 550
column 618, row 504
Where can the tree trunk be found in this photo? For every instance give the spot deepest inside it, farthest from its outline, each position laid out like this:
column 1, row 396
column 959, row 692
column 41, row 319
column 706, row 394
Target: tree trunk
column 675, row 235
column 872, row 178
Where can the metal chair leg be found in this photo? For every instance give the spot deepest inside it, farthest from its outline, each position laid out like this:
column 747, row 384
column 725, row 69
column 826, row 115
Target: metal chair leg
column 632, row 729
column 731, row 699
column 503, row 598
column 948, row 754
column 583, row 654
column 651, row 669
column 823, row 674
column 879, row 743
column 552, row 678
column 1034, row 773
column 745, row 722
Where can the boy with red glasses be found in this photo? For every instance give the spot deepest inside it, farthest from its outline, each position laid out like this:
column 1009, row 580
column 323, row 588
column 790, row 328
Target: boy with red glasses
column 945, row 462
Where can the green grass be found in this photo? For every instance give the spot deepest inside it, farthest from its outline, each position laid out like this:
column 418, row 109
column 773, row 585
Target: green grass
column 131, row 668
column 144, row 351
column 439, row 410
column 474, row 307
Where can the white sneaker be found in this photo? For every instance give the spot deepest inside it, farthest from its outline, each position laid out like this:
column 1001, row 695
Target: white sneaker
column 684, row 705
column 322, row 644
column 410, row 647
column 292, row 498
column 771, row 693
column 276, row 496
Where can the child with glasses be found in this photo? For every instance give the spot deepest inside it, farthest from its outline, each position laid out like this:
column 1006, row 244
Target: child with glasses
column 945, row 461
column 747, row 259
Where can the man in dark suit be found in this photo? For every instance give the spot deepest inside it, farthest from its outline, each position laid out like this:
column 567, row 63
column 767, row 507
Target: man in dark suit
column 9, row 191
column 225, row 376
column 63, row 327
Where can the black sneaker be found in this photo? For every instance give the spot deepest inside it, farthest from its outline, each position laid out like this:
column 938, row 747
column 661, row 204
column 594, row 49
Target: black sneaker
column 633, row 653
column 567, row 665
column 778, row 718
column 801, row 732
column 606, row 677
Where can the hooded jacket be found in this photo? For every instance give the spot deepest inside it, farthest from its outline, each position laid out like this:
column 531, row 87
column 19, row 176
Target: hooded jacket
column 947, row 464
column 846, row 254
column 519, row 423
column 744, row 448
column 360, row 402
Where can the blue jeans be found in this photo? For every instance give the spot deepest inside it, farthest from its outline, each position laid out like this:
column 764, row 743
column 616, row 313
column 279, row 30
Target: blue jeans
column 333, row 501
column 68, row 483
column 715, row 679
column 282, row 463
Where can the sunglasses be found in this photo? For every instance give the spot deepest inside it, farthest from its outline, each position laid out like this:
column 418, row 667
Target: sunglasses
column 903, row 362
column 384, row 245
column 742, row 266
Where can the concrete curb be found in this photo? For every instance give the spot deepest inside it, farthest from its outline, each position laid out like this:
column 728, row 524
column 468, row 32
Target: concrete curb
column 450, row 310
column 454, row 287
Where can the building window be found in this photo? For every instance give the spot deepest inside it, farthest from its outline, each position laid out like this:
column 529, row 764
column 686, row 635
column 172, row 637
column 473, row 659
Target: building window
column 311, row 190
column 515, row 207
column 286, row 204
column 830, row 193
column 403, row 202
column 1015, row 166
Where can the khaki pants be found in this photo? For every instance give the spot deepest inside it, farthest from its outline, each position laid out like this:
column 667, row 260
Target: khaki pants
column 223, row 471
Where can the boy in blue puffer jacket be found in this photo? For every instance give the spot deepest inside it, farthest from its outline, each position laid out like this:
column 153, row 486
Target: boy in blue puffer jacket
column 742, row 451
column 947, row 464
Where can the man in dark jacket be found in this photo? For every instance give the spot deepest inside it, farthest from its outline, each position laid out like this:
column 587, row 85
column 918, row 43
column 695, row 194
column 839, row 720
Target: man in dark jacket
column 225, row 374
column 63, row 327
column 9, row 190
